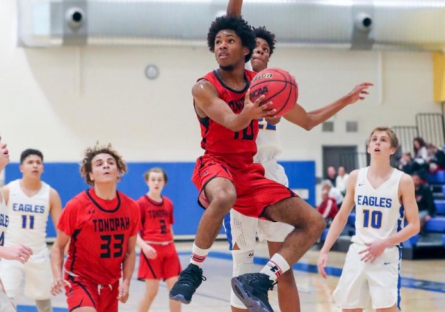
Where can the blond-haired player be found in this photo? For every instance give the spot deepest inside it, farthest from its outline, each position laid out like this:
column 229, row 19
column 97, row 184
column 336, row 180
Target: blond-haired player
column 384, row 198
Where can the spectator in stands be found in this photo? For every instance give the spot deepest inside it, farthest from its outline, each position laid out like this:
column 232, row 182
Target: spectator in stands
column 341, row 180
column 420, row 150
column 332, row 192
column 425, row 200
column 328, row 207
column 407, row 163
column 332, row 175
column 436, row 158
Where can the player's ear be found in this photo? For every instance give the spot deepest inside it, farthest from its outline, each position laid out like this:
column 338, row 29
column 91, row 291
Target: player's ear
column 21, row 168
column 246, row 51
column 91, row 176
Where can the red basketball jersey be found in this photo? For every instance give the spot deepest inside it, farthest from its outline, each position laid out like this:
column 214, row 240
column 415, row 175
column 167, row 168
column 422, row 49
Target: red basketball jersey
column 156, row 219
column 217, row 139
column 99, row 231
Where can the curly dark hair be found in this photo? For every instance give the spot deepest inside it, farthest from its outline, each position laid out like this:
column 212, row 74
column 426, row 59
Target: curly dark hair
column 239, row 26
column 263, row 33
column 86, row 166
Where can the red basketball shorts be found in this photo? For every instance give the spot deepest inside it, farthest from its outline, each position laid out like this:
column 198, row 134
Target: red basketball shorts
column 84, row 293
column 254, row 192
column 163, row 267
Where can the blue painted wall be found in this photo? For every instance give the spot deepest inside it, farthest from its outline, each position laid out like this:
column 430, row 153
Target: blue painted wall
column 65, row 178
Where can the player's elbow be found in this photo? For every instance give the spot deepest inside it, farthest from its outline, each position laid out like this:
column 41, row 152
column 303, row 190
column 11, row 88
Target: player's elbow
column 416, row 227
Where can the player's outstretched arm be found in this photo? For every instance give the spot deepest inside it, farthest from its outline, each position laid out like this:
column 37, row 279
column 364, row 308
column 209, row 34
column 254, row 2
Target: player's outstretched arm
column 57, row 262
column 338, row 224
column 408, row 200
column 207, row 100
column 55, row 205
column 234, row 7
column 308, row 120
column 128, row 268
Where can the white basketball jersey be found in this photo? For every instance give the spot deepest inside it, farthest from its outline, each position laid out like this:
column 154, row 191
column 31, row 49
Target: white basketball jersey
column 378, row 212
column 4, row 219
column 28, row 216
column 268, row 142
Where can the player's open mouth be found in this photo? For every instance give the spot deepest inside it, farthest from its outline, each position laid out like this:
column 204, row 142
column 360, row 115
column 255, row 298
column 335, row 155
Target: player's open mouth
column 223, row 55
column 377, row 150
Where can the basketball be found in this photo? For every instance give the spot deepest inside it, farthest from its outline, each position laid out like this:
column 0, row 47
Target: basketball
column 278, row 86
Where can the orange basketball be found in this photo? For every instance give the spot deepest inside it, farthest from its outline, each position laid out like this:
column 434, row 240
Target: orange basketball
column 278, row 86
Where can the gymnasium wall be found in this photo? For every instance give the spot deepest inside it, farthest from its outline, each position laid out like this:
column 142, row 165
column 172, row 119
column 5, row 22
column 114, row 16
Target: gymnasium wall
column 62, row 100
column 65, row 178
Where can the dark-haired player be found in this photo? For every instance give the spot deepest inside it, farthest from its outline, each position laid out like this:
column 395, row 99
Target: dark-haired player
column 30, row 201
column 101, row 225
column 159, row 259
column 226, row 175
column 242, row 229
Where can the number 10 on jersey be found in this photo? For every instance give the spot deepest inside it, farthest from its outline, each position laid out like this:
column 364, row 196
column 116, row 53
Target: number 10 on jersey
column 376, row 218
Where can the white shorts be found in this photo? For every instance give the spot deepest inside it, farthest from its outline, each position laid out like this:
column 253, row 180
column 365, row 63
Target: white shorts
column 243, row 230
column 275, row 172
column 5, row 303
column 361, row 282
column 37, row 273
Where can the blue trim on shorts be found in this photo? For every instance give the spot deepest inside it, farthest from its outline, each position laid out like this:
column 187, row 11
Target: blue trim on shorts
column 399, row 281
column 228, row 229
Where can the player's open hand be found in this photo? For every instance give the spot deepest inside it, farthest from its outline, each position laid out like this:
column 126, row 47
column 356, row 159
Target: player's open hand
column 58, row 285
column 358, row 93
column 18, row 252
column 374, row 250
column 322, row 263
column 255, row 110
column 149, row 252
column 123, row 292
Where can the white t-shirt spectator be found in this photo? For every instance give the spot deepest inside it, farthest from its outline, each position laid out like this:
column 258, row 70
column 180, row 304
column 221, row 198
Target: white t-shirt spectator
column 342, row 182
column 335, row 193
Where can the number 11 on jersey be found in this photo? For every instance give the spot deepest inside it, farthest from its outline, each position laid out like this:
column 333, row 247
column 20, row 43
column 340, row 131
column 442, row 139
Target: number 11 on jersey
column 25, row 222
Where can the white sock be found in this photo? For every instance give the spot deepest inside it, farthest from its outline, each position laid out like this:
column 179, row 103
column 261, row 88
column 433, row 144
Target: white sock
column 275, row 267
column 198, row 255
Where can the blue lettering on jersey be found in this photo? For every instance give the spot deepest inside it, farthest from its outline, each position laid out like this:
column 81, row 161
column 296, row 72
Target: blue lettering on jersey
column 28, row 208
column 4, row 220
column 373, row 201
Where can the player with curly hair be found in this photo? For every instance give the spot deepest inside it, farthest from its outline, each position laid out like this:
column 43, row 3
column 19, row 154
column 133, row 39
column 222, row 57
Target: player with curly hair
column 102, row 224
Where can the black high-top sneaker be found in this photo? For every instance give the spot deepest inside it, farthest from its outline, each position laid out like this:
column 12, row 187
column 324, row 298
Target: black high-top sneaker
column 252, row 290
column 188, row 281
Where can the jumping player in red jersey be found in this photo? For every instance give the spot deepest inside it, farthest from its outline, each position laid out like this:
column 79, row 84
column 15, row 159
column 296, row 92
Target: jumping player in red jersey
column 226, row 175
column 102, row 224
column 159, row 259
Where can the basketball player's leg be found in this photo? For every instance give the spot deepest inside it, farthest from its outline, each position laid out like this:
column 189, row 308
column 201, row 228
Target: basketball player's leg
column 12, row 275
column 243, row 233
column 221, row 194
column 38, row 280
column 44, row 305
column 308, row 226
column 288, row 297
column 151, row 290
column 175, row 306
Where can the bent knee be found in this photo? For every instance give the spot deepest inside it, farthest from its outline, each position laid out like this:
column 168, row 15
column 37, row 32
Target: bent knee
column 224, row 199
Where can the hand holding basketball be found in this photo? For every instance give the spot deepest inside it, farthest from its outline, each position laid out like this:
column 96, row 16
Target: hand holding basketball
column 322, row 263
column 255, row 110
column 358, row 93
